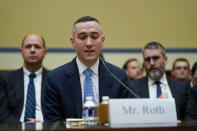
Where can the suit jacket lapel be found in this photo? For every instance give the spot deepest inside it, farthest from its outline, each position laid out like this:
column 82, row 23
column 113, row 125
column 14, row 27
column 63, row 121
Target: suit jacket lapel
column 75, row 88
column 104, row 82
column 19, row 89
column 144, row 88
column 44, row 73
column 140, row 87
column 172, row 88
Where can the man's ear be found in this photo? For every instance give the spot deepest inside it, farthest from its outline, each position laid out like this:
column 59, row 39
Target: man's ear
column 166, row 60
column 46, row 51
column 21, row 51
column 172, row 72
column 103, row 40
column 72, row 42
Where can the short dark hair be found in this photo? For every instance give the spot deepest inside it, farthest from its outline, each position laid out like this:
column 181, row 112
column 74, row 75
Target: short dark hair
column 180, row 59
column 194, row 68
column 155, row 45
column 125, row 66
column 42, row 38
column 84, row 19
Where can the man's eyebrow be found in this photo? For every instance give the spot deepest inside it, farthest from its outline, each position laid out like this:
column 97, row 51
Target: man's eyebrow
column 95, row 32
column 81, row 33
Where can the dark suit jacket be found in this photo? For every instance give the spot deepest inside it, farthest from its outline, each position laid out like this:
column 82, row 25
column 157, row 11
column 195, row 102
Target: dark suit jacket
column 63, row 97
column 184, row 100
column 12, row 95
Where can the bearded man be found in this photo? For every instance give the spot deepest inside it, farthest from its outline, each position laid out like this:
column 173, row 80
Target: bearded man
column 156, row 85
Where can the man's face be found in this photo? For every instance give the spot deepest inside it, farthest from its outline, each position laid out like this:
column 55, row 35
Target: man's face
column 181, row 71
column 154, row 63
column 33, row 50
column 133, row 70
column 88, row 41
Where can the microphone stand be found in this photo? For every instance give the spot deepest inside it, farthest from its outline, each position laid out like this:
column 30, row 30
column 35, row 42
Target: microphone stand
column 133, row 93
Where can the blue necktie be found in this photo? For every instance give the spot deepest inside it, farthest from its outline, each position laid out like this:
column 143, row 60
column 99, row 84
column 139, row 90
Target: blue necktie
column 31, row 100
column 88, row 87
column 159, row 92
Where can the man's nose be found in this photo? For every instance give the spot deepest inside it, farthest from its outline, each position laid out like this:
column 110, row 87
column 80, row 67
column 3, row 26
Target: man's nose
column 32, row 49
column 89, row 42
column 152, row 62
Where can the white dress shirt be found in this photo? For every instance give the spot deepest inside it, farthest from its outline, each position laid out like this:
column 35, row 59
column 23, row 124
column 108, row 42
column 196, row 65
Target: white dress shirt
column 38, row 85
column 95, row 78
column 166, row 93
column 191, row 84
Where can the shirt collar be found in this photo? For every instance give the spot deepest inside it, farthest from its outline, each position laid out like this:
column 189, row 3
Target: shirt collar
column 27, row 72
column 83, row 67
column 191, row 84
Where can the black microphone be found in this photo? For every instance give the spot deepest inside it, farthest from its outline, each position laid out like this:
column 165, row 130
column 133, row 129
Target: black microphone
column 133, row 93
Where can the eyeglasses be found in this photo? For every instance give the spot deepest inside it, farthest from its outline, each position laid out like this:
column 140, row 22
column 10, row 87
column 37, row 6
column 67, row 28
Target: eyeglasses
column 179, row 68
column 154, row 58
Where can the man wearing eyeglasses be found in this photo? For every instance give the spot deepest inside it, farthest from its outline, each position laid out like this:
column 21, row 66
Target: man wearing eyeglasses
column 181, row 70
column 156, row 84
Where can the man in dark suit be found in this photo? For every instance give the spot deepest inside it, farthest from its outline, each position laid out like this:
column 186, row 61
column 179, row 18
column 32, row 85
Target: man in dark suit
column 14, row 84
column 66, row 85
column 193, row 83
column 194, row 75
column 157, row 85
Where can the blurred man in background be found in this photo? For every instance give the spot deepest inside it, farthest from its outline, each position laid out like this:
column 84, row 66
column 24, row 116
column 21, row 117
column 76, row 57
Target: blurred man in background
column 22, row 90
column 132, row 69
column 194, row 75
column 194, row 80
column 181, row 70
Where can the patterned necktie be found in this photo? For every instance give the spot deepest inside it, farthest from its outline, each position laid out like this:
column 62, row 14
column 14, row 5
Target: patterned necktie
column 159, row 92
column 88, row 87
column 31, row 100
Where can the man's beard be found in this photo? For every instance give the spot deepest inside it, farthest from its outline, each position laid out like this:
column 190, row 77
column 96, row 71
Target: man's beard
column 156, row 73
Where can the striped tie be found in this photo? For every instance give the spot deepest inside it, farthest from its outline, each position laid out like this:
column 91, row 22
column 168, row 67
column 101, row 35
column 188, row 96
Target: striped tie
column 88, row 87
column 31, row 100
column 159, row 92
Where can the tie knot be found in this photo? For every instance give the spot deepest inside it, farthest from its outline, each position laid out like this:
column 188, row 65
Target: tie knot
column 88, row 72
column 157, row 82
column 32, row 75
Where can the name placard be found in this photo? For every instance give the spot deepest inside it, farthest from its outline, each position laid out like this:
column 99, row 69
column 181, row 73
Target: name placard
column 142, row 111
